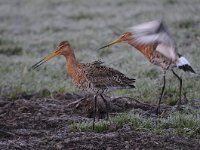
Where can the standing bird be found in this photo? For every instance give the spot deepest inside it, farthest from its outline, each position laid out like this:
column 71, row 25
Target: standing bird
column 90, row 77
column 154, row 41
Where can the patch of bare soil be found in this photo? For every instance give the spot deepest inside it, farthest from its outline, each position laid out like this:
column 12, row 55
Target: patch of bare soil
column 33, row 122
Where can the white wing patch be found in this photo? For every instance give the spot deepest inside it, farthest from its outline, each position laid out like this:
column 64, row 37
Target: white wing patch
column 182, row 61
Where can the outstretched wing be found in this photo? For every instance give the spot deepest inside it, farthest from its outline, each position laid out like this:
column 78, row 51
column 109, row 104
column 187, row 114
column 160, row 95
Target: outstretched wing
column 155, row 32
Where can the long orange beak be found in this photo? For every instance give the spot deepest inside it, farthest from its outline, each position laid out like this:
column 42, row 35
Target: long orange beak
column 118, row 40
column 45, row 59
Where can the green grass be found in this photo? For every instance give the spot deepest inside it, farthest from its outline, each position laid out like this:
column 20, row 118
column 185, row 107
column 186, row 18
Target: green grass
column 8, row 48
column 182, row 124
column 186, row 23
column 134, row 120
column 24, row 79
column 178, row 123
column 88, row 25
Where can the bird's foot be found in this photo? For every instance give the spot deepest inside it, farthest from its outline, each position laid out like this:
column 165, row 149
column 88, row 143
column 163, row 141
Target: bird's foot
column 179, row 105
column 76, row 103
column 157, row 111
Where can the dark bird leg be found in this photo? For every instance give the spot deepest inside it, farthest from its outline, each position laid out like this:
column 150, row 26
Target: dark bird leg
column 106, row 103
column 180, row 89
column 162, row 93
column 94, row 111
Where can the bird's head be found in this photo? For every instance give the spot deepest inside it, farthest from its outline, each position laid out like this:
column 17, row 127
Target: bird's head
column 63, row 48
column 122, row 38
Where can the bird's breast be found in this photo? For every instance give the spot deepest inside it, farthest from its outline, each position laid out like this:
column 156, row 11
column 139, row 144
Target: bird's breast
column 153, row 56
column 160, row 60
column 146, row 50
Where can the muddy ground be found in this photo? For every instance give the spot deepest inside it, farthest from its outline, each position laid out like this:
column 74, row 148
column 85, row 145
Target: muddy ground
column 30, row 29
column 33, row 122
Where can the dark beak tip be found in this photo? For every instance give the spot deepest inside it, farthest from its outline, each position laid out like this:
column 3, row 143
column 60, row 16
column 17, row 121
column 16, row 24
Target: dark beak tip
column 99, row 48
column 103, row 47
column 38, row 64
column 34, row 66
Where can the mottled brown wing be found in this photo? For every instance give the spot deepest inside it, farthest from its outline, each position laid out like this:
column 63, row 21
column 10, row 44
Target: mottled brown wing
column 102, row 77
column 156, row 32
column 97, row 62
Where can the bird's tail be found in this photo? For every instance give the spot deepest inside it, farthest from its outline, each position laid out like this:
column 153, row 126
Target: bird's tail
column 130, row 82
column 182, row 63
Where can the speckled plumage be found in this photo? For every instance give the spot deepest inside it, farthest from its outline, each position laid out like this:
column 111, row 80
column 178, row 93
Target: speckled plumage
column 93, row 77
column 97, row 78
column 90, row 77
column 153, row 56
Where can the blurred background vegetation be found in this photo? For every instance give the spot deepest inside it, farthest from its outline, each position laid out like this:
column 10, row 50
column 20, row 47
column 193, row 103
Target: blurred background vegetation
column 31, row 29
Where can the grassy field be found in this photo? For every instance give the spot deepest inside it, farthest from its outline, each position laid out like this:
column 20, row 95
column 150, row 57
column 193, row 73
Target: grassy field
column 30, row 29
column 182, row 124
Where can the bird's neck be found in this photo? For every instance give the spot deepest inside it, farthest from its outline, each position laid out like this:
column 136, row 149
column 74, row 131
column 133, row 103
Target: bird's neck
column 146, row 50
column 71, row 64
